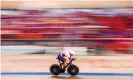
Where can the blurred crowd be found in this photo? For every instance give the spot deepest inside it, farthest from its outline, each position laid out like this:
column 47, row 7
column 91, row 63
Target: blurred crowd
column 94, row 28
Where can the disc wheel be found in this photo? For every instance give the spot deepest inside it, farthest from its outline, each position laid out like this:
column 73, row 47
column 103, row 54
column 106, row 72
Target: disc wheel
column 73, row 70
column 55, row 69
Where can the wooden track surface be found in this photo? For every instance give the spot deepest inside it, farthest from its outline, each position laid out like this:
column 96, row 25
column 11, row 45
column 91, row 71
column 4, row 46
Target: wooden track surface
column 65, row 3
column 64, row 78
column 41, row 63
column 32, row 63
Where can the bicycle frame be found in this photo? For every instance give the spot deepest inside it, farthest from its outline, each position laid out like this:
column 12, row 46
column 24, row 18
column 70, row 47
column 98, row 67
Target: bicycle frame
column 67, row 64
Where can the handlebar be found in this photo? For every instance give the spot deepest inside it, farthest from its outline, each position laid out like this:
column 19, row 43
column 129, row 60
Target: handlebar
column 73, row 59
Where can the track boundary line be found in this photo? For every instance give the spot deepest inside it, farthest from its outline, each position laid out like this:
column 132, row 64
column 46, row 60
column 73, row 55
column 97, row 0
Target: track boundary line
column 81, row 73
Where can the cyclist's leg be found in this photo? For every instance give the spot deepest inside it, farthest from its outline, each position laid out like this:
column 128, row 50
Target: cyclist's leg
column 61, row 61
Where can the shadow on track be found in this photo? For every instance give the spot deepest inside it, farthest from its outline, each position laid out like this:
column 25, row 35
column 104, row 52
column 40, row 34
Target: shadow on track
column 66, row 77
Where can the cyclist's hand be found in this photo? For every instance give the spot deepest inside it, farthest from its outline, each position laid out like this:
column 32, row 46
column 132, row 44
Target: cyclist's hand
column 73, row 58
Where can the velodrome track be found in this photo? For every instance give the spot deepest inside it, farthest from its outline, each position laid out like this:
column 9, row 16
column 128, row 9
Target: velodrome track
column 36, row 67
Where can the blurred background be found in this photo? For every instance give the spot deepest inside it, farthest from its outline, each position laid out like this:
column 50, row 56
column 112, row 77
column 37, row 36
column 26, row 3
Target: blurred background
column 87, row 27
